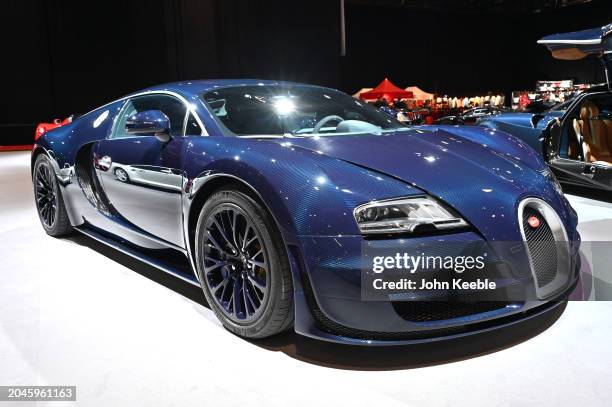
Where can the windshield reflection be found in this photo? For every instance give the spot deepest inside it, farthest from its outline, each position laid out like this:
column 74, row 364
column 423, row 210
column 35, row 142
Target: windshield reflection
column 299, row 111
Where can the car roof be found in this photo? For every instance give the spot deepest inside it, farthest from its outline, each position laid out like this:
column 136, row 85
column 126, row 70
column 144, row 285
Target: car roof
column 204, row 85
column 194, row 88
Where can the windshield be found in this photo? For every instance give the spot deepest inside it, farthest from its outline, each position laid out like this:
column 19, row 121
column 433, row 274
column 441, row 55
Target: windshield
column 562, row 106
column 294, row 110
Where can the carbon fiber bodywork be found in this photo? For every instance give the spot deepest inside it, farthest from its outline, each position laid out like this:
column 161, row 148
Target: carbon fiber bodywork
column 310, row 186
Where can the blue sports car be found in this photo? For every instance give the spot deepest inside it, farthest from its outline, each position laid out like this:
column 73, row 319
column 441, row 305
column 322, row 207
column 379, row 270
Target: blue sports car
column 270, row 195
column 575, row 137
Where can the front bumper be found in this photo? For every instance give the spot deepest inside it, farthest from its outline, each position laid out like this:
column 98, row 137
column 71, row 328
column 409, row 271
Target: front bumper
column 329, row 305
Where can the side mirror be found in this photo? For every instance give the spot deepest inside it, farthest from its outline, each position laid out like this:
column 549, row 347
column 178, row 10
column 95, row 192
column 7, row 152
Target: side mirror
column 551, row 141
column 149, row 122
column 535, row 119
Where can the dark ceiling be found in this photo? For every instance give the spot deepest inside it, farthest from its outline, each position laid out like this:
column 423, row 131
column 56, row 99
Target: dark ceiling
column 476, row 6
column 63, row 61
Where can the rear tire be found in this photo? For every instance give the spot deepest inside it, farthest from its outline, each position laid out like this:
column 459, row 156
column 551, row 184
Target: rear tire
column 49, row 200
column 243, row 267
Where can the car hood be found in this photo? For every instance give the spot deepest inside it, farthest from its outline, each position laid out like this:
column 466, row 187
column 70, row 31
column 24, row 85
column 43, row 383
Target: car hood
column 483, row 184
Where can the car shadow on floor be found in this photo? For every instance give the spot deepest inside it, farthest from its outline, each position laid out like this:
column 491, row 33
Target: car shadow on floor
column 187, row 290
column 351, row 357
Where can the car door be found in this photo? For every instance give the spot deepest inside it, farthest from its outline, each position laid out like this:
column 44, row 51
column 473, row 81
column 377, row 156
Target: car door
column 581, row 143
column 577, row 45
column 140, row 175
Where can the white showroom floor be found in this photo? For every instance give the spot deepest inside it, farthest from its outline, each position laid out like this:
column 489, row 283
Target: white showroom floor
column 73, row 312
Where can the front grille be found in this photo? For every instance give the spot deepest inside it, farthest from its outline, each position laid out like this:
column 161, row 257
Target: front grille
column 542, row 247
column 334, row 328
column 326, row 324
column 429, row 311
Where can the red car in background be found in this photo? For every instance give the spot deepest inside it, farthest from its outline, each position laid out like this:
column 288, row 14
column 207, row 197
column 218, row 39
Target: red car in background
column 43, row 128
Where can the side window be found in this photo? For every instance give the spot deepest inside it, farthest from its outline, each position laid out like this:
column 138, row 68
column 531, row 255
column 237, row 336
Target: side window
column 172, row 107
column 192, row 127
column 119, row 129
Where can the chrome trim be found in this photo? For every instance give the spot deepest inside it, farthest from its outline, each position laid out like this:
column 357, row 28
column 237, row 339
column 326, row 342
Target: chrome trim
column 266, row 136
column 594, row 41
column 563, row 251
column 153, row 92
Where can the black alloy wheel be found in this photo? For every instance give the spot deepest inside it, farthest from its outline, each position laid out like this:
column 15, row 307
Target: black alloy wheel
column 242, row 265
column 48, row 197
column 235, row 265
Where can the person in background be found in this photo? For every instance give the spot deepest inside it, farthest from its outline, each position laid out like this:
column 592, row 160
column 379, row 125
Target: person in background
column 400, row 105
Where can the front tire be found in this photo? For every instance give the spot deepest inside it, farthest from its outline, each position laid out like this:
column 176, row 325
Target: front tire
column 48, row 197
column 243, row 267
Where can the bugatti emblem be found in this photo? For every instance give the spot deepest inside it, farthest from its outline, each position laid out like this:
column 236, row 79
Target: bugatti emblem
column 534, row 222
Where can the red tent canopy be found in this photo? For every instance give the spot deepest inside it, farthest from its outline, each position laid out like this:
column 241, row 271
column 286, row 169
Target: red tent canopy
column 386, row 90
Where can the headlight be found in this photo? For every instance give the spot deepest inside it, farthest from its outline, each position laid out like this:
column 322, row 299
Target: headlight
column 406, row 215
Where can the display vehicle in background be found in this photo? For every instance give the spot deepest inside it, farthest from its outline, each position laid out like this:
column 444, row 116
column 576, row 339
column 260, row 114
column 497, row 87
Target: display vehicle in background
column 574, row 137
column 265, row 195
column 150, row 175
column 404, row 116
column 42, row 128
column 470, row 116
